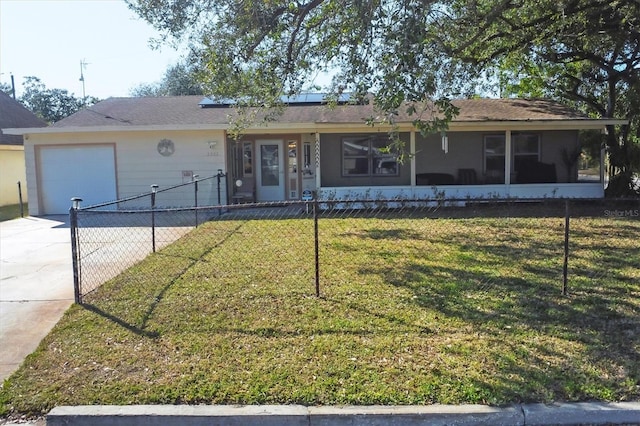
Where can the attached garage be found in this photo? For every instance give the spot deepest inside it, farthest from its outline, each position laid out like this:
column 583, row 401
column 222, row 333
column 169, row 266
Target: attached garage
column 67, row 171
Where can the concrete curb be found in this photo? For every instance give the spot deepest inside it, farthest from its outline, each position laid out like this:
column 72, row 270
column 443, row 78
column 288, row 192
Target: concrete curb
column 583, row 413
column 595, row 413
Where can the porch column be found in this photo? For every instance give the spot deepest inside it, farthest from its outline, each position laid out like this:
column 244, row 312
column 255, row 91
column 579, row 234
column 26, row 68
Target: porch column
column 317, row 149
column 507, row 157
column 603, row 153
column 412, row 151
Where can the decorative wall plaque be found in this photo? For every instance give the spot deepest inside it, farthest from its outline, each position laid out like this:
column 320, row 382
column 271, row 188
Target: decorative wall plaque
column 166, row 147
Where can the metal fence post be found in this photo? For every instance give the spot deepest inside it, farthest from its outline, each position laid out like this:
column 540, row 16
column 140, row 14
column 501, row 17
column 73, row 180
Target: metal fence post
column 317, row 244
column 565, row 267
column 195, row 186
column 154, row 189
column 219, row 177
column 20, row 199
column 75, row 252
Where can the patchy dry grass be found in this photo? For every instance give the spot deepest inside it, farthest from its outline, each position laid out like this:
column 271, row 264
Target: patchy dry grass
column 415, row 311
column 12, row 211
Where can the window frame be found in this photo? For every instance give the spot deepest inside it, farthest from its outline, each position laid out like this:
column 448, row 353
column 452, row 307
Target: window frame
column 370, row 146
column 516, row 137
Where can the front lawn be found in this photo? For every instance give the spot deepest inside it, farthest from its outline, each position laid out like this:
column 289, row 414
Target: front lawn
column 413, row 311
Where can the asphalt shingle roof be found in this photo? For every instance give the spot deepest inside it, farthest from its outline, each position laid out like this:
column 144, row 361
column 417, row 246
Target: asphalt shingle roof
column 14, row 115
column 185, row 111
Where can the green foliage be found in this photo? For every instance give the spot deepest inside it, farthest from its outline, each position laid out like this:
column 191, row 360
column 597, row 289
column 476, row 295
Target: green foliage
column 584, row 53
column 13, row 211
column 6, row 88
column 178, row 80
column 403, row 55
column 257, row 51
column 51, row 104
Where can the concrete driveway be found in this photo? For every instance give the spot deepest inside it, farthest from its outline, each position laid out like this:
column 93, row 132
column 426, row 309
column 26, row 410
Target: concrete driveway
column 36, row 284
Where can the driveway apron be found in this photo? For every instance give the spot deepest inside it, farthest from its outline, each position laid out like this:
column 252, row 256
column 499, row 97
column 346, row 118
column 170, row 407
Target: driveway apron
column 36, row 284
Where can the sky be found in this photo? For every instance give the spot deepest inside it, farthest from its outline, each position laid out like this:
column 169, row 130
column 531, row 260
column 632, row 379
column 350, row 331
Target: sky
column 49, row 39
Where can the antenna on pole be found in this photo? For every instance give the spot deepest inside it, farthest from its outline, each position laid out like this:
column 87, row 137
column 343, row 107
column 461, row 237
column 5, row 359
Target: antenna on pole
column 83, row 66
column 13, row 87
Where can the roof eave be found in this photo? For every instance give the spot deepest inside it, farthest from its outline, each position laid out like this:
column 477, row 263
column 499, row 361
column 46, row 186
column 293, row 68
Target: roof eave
column 102, row 129
column 578, row 124
column 568, row 124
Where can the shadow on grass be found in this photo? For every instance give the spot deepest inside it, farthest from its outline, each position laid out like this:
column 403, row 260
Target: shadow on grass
column 600, row 315
column 506, row 283
column 132, row 328
column 160, row 284
column 503, row 285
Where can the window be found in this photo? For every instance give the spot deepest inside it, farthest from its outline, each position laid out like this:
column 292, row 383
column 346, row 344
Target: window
column 366, row 156
column 525, row 147
column 306, row 166
column 247, row 159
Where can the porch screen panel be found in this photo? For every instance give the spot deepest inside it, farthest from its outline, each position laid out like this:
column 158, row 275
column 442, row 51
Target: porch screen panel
column 494, row 157
column 526, row 149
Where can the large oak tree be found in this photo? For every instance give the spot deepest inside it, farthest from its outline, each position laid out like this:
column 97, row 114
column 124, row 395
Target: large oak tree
column 585, row 53
column 410, row 52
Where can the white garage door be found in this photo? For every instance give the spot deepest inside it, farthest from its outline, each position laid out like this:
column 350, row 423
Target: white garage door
column 86, row 171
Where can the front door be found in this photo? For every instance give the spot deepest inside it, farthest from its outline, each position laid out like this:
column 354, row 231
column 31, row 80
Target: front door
column 270, row 171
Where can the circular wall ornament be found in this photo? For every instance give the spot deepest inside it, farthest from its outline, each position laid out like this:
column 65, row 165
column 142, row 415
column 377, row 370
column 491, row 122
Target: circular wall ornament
column 166, row 147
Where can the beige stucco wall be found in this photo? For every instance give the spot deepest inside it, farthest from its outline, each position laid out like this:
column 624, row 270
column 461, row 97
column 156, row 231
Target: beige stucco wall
column 138, row 163
column 12, row 170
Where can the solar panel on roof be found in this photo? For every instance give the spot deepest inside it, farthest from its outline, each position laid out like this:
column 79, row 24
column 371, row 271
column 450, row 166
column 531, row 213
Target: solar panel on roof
column 210, row 103
column 313, row 98
column 300, row 99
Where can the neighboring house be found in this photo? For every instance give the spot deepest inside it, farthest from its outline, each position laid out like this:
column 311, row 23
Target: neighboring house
column 120, row 146
column 12, row 164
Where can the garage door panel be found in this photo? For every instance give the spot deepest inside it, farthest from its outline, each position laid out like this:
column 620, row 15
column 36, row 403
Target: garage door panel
column 87, row 172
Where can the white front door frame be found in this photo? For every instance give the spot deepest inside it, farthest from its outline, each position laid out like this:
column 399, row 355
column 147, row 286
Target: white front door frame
column 270, row 170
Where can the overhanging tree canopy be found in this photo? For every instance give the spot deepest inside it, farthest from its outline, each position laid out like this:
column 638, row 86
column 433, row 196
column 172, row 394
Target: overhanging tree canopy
column 256, row 51
column 408, row 52
column 583, row 52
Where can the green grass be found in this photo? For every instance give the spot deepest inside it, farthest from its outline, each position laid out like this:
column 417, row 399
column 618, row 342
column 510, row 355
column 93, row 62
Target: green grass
column 12, row 211
column 413, row 311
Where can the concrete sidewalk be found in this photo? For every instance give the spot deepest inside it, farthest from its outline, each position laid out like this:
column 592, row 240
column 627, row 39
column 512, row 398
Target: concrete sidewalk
column 36, row 284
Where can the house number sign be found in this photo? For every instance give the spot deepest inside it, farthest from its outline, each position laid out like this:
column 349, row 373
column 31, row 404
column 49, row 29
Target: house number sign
column 166, row 147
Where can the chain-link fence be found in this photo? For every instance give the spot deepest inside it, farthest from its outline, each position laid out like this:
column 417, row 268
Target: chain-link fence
column 313, row 246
